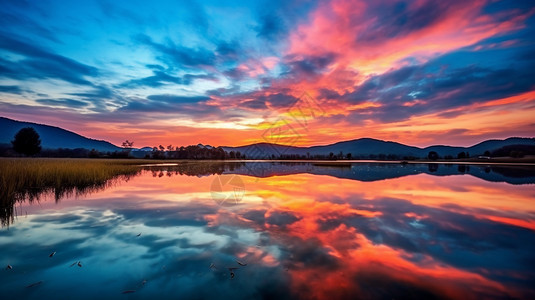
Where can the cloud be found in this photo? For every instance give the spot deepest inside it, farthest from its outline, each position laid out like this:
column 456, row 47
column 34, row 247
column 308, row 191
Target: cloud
column 403, row 18
column 229, row 49
column 178, row 56
column 279, row 100
column 303, row 67
column 281, row 218
column 99, row 92
column 158, row 79
column 254, row 104
column 11, row 18
column 178, row 99
column 63, row 102
column 191, row 106
column 11, row 89
column 271, row 27
column 161, row 78
column 374, row 37
column 257, row 101
column 39, row 63
column 113, row 11
column 414, row 90
column 275, row 19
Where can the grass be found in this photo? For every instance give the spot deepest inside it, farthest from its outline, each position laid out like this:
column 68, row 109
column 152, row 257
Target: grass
column 27, row 178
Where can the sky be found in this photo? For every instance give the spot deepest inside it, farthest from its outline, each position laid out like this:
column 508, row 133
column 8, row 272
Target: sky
column 231, row 73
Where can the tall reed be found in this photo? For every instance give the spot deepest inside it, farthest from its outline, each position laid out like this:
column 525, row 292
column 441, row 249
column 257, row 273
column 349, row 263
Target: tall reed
column 27, row 178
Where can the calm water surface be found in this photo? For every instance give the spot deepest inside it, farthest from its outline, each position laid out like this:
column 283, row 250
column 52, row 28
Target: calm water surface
column 285, row 231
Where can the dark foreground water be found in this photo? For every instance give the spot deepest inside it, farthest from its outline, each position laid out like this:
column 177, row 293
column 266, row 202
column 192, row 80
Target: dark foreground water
column 284, row 231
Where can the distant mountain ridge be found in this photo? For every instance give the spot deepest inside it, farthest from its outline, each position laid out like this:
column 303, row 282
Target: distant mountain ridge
column 52, row 137
column 55, row 137
column 365, row 147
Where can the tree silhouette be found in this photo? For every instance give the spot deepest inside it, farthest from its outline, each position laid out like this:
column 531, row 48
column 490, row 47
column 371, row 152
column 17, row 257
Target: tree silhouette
column 27, row 142
column 128, row 144
column 432, row 155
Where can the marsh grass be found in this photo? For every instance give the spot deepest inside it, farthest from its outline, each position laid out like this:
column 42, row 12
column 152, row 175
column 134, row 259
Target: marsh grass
column 24, row 179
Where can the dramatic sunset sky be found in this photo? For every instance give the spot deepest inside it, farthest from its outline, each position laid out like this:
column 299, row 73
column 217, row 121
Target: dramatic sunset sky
column 230, row 73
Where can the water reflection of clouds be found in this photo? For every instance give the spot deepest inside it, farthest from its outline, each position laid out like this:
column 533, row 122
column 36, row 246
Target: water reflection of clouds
column 173, row 250
column 324, row 237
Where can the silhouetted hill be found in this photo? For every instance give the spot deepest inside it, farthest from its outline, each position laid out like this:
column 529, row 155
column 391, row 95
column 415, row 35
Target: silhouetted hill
column 479, row 149
column 367, row 147
column 52, row 137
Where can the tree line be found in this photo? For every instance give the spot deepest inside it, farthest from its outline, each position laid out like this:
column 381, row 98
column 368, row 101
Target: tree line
column 189, row 152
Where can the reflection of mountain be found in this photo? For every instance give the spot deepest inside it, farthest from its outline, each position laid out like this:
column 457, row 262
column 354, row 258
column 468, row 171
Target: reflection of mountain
column 380, row 171
column 354, row 171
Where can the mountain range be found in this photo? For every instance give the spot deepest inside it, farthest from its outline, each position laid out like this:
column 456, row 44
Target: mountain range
column 52, row 137
column 366, row 147
column 55, row 137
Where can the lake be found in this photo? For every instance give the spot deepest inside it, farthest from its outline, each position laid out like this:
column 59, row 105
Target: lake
column 262, row 230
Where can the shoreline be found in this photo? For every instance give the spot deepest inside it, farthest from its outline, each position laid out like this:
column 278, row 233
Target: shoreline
column 169, row 162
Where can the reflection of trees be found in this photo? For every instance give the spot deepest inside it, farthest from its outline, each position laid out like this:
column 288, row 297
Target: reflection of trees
column 332, row 165
column 463, row 168
column 514, row 171
column 192, row 169
column 432, row 167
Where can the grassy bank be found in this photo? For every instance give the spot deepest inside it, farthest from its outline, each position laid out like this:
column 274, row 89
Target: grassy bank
column 26, row 174
column 27, row 178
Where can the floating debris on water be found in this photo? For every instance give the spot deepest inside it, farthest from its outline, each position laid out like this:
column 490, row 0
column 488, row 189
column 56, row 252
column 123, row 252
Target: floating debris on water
column 52, row 254
column 9, row 267
column 34, row 284
column 73, row 264
column 80, row 264
column 128, row 292
column 232, row 272
column 139, row 234
column 240, row 263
